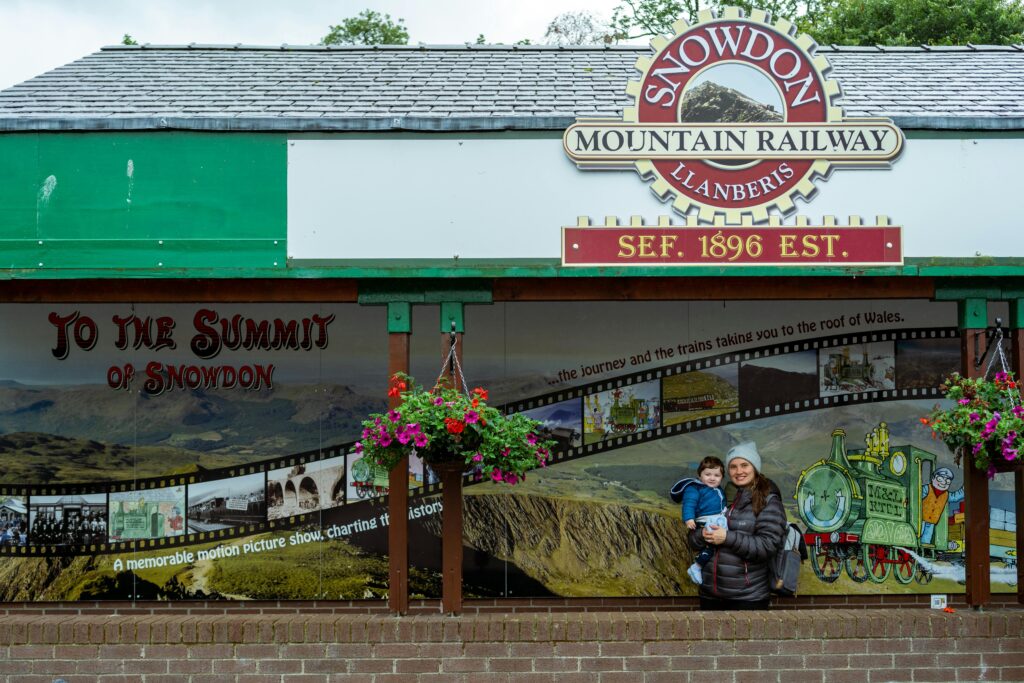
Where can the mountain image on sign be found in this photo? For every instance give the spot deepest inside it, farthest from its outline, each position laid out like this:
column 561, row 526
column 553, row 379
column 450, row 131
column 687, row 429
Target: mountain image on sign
column 710, row 102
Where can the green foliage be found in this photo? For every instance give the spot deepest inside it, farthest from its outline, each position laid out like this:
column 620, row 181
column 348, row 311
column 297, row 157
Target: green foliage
column 368, row 28
column 128, row 40
column 445, row 425
column 916, row 22
column 639, row 18
column 848, row 22
column 985, row 421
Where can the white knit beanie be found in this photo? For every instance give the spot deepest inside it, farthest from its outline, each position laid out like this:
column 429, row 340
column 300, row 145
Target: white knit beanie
column 745, row 451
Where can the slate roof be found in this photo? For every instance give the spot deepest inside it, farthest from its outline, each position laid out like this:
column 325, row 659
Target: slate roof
column 463, row 87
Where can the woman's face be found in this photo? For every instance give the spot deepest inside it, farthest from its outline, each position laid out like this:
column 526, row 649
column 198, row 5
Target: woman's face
column 741, row 472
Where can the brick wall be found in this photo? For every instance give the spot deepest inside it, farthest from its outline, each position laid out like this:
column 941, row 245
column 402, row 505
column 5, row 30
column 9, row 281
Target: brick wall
column 833, row 645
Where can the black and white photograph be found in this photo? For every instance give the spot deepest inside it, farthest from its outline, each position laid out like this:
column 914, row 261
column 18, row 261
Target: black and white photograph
column 68, row 520
column 226, row 503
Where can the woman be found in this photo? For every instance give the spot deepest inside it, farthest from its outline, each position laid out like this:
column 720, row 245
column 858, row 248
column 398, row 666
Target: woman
column 737, row 576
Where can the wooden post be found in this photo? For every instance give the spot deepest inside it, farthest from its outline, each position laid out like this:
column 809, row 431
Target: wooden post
column 451, row 477
column 973, row 314
column 399, row 328
column 1017, row 365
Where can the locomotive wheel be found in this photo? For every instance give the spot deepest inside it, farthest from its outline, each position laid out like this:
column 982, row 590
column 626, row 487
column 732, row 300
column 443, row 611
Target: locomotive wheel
column 855, row 567
column 876, row 561
column 826, row 565
column 904, row 566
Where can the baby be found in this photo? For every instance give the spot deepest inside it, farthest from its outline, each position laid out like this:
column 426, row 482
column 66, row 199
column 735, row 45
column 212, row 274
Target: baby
column 703, row 504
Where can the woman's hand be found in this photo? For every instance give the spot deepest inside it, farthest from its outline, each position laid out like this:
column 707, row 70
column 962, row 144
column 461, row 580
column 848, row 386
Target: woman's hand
column 714, row 535
column 691, row 525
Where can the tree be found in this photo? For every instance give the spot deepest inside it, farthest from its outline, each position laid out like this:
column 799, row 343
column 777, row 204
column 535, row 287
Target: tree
column 848, row 22
column 641, row 18
column 367, row 28
column 128, row 40
column 917, row 22
column 578, row 28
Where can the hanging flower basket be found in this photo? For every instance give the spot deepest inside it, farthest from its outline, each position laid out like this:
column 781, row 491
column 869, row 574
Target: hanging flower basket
column 985, row 422
column 449, row 428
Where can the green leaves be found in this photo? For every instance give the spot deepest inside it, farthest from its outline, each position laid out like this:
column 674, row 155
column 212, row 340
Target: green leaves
column 368, row 28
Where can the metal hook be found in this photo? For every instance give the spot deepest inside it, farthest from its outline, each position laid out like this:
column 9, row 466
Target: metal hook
column 991, row 334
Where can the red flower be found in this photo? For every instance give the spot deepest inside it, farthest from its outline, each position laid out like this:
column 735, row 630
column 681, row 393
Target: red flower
column 481, row 392
column 454, row 426
column 475, row 403
column 397, row 387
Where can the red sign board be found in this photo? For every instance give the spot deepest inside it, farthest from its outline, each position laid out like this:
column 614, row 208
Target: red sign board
column 748, row 246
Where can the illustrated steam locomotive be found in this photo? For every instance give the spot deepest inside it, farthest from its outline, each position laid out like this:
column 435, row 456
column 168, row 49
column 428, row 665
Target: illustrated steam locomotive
column 864, row 512
column 369, row 479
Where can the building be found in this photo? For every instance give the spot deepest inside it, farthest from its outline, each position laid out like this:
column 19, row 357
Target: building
column 218, row 254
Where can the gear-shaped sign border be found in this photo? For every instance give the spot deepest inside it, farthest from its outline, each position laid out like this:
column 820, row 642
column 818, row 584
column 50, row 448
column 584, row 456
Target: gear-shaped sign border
column 803, row 184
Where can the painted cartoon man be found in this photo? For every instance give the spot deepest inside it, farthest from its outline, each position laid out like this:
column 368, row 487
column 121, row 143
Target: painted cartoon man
column 935, row 497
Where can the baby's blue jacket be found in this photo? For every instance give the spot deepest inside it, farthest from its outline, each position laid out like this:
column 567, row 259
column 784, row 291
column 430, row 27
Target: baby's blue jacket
column 699, row 499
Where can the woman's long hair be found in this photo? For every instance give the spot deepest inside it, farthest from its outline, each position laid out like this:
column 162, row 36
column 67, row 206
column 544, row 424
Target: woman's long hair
column 759, row 490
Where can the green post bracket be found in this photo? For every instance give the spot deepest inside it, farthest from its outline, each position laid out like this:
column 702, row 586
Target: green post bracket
column 399, row 317
column 972, row 314
column 1016, row 314
column 452, row 312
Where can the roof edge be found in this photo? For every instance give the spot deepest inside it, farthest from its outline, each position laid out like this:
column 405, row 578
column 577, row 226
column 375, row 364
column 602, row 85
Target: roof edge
column 436, row 124
column 637, row 47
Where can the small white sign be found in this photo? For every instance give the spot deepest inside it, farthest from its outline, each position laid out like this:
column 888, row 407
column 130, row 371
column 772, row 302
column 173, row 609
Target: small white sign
column 938, row 602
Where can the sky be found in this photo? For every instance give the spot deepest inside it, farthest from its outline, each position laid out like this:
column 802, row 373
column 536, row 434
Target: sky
column 39, row 35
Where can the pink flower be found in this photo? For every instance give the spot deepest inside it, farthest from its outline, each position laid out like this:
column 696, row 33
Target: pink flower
column 377, row 422
column 384, row 441
column 413, row 427
column 510, row 478
column 420, row 440
column 359, row 448
column 394, row 415
column 478, row 458
column 1018, row 411
column 975, row 417
column 471, row 416
column 403, row 436
column 531, row 438
column 964, row 401
column 496, row 474
column 990, row 426
column 438, row 401
column 977, row 447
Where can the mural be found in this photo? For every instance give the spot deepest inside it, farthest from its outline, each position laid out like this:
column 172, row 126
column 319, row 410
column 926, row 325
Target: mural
column 239, row 484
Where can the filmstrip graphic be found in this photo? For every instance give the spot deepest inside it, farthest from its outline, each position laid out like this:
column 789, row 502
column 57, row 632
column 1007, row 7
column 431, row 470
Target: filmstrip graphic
column 332, row 487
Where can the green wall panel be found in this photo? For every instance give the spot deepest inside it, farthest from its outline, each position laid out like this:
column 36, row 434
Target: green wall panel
column 127, row 200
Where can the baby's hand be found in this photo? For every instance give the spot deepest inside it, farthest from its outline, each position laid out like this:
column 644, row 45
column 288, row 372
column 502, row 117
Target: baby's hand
column 691, row 525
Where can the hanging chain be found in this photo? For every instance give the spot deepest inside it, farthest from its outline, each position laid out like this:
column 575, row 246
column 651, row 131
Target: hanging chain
column 1002, row 361
column 451, row 363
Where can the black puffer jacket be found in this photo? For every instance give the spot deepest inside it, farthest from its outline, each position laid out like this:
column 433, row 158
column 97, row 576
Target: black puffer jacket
column 739, row 570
